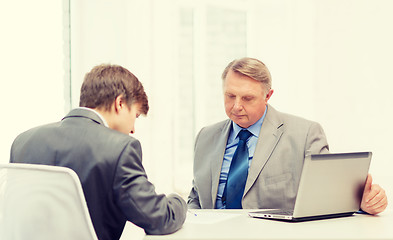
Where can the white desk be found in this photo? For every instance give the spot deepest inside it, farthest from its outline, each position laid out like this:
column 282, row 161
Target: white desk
column 237, row 225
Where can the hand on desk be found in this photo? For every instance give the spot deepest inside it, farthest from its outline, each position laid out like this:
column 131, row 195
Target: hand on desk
column 374, row 199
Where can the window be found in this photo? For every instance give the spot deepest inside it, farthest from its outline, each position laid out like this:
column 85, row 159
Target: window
column 209, row 37
column 178, row 50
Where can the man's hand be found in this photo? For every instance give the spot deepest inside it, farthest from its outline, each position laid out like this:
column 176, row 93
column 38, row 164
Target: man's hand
column 374, row 198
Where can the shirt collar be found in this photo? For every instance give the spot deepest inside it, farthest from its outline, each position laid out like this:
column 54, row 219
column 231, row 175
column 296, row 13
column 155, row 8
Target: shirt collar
column 254, row 129
column 98, row 114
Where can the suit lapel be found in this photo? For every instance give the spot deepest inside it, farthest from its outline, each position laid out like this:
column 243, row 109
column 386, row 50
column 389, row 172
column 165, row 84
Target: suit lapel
column 269, row 136
column 217, row 156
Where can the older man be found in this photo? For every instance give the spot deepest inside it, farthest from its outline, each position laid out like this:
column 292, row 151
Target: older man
column 254, row 159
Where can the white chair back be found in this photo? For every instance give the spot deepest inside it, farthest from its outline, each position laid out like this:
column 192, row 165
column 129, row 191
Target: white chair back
column 39, row 202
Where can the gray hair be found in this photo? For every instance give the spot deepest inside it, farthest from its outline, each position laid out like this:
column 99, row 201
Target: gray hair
column 252, row 68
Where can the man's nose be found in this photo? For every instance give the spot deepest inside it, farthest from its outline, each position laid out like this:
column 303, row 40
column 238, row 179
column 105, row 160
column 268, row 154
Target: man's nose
column 238, row 105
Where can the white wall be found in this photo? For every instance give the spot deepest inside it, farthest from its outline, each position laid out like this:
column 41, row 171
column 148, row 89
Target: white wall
column 31, row 66
column 331, row 62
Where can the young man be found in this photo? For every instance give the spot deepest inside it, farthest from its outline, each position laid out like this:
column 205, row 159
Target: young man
column 276, row 145
column 94, row 141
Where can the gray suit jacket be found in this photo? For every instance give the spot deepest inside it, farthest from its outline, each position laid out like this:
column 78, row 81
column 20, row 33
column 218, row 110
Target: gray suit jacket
column 275, row 169
column 109, row 166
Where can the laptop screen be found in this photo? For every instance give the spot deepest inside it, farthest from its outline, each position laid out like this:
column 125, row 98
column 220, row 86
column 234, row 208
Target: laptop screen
column 332, row 183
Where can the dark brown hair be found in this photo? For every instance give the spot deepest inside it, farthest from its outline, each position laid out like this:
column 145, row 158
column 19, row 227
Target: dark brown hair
column 104, row 83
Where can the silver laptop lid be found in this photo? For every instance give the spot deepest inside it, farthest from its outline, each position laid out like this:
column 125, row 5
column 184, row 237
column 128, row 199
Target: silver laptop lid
column 332, row 183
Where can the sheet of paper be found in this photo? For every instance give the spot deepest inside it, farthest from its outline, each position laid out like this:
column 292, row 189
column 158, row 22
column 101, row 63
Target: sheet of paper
column 201, row 217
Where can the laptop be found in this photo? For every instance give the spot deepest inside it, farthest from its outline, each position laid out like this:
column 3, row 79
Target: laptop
column 331, row 185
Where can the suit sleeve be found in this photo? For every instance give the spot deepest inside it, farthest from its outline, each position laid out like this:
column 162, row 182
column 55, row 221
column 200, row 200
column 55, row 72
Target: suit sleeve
column 316, row 140
column 193, row 197
column 136, row 196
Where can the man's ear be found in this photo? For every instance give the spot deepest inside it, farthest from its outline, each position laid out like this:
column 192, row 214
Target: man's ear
column 119, row 103
column 268, row 95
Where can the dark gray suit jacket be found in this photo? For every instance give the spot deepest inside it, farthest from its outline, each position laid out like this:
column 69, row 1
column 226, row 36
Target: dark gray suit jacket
column 109, row 167
column 274, row 174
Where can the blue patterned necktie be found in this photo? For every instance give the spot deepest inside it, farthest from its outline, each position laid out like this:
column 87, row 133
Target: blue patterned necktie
column 237, row 175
